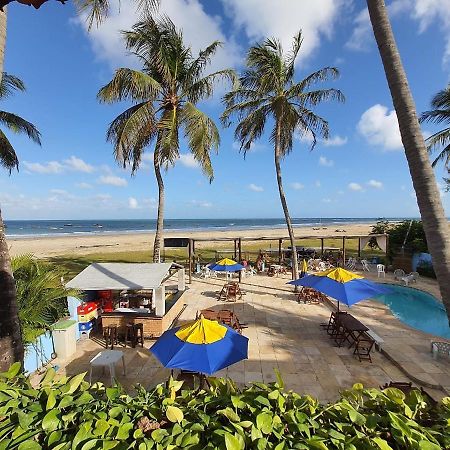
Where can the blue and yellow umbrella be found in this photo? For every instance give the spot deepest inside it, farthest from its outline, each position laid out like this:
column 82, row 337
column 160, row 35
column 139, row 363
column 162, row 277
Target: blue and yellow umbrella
column 227, row 265
column 203, row 346
column 344, row 286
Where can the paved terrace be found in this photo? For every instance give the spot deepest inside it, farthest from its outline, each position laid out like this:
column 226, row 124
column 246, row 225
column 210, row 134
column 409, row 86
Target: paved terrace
column 286, row 335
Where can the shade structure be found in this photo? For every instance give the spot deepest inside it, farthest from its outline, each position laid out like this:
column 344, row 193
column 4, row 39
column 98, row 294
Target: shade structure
column 203, row 346
column 344, row 286
column 227, row 265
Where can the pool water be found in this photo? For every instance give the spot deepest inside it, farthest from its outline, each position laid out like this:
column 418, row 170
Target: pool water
column 417, row 309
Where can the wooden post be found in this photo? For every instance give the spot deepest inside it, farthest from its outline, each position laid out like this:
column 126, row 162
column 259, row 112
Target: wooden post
column 387, row 250
column 235, row 250
column 321, row 246
column 240, row 257
column 343, row 251
column 190, row 246
column 280, row 244
column 359, row 247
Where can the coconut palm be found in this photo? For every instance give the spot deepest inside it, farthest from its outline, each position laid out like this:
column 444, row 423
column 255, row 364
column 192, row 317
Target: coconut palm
column 164, row 95
column 267, row 91
column 429, row 201
column 11, row 347
column 441, row 140
column 41, row 297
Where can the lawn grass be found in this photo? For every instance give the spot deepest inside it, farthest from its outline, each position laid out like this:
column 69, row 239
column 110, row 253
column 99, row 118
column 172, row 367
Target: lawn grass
column 74, row 264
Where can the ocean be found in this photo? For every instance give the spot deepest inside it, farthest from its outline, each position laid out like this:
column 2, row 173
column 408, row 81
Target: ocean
column 40, row 228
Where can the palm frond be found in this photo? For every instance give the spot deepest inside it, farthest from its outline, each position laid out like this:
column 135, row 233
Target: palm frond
column 324, row 74
column 204, row 88
column 199, row 64
column 168, row 143
column 8, row 156
column 313, row 98
column 436, row 116
column 128, row 84
column 97, row 11
column 18, row 125
column 9, row 84
column 292, row 56
column 202, row 135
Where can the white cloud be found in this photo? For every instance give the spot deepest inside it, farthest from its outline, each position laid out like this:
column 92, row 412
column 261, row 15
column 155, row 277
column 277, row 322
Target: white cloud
column 297, row 186
column 59, row 191
column 335, row 141
column 112, row 180
column 84, row 185
column 132, row 203
column 199, row 30
column 361, row 33
column 355, row 187
column 324, row 161
column 380, row 127
column 254, row 147
column 78, row 165
column 255, row 188
column 188, row 160
column 51, row 167
column 283, row 18
column 318, row 184
column 201, row 203
column 375, row 184
column 326, row 200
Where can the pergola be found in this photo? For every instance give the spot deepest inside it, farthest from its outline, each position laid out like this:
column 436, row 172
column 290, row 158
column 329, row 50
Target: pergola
column 363, row 239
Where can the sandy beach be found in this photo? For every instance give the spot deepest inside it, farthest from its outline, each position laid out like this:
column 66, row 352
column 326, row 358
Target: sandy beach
column 110, row 243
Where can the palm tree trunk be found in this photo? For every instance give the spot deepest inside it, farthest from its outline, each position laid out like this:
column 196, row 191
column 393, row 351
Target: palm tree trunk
column 11, row 346
column 160, row 220
column 428, row 197
column 284, row 204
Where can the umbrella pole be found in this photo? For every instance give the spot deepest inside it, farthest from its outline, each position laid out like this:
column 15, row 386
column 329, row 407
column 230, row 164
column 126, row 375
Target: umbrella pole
column 338, row 307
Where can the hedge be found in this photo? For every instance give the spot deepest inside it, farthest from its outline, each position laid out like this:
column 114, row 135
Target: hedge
column 69, row 413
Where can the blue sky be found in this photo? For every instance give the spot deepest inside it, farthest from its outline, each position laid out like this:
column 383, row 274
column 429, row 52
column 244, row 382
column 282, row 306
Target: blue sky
column 360, row 172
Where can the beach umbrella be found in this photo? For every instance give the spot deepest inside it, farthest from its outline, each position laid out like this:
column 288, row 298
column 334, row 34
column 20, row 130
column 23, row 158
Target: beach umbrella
column 203, row 346
column 344, row 286
column 227, row 265
column 304, row 268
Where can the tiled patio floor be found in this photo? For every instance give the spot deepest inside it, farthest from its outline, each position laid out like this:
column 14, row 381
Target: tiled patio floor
column 286, row 335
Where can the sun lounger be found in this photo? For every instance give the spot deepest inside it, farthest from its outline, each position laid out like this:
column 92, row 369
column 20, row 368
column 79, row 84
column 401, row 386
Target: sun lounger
column 440, row 348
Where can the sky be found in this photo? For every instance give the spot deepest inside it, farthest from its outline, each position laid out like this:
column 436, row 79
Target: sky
column 361, row 171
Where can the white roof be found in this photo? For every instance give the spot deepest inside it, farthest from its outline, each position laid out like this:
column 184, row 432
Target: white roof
column 119, row 276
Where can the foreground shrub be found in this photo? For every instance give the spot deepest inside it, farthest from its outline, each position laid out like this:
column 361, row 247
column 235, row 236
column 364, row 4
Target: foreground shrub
column 71, row 414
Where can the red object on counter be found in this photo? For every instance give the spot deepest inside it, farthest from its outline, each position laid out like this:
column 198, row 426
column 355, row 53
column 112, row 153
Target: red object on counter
column 107, row 306
column 104, row 295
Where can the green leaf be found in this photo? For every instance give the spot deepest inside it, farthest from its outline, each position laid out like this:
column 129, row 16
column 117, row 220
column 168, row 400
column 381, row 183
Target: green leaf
column 66, row 401
column 229, row 414
column 233, row 442
column 427, row 445
column 356, row 417
column 264, row 422
column 124, row 431
column 159, row 434
column 246, row 424
column 51, row 401
column 174, row 414
column 12, row 372
column 75, row 381
column 280, row 446
column 263, row 400
column 54, row 437
column 382, row 444
column 31, row 444
column 116, row 411
column 51, row 421
column 255, row 434
column 101, row 427
column 280, row 381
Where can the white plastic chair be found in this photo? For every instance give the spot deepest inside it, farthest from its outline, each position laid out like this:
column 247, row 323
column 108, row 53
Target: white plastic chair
column 380, row 270
column 415, row 276
column 399, row 274
column 365, row 265
column 322, row 266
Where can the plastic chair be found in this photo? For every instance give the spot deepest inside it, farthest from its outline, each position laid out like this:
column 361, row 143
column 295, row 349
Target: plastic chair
column 380, row 270
column 399, row 274
column 365, row 265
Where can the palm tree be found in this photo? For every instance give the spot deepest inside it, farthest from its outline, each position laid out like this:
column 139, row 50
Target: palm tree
column 41, row 297
column 164, row 96
column 268, row 90
column 11, row 347
column 433, row 217
column 440, row 114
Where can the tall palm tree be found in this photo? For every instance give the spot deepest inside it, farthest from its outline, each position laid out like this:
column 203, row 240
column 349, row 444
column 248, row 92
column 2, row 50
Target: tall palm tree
column 164, row 96
column 440, row 140
column 433, row 217
column 268, row 90
column 11, row 347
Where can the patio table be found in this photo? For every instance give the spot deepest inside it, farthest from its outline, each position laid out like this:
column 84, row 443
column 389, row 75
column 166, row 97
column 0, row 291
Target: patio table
column 407, row 279
column 107, row 358
column 352, row 328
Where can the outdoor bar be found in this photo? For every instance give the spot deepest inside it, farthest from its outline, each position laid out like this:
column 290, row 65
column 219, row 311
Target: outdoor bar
column 121, row 294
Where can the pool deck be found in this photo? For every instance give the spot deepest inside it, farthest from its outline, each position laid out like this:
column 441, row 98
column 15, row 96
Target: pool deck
column 287, row 336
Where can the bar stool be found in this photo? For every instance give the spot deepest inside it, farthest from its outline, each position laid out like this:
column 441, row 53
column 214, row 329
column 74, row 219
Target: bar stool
column 138, row 334
column 110, row 336
column 130, row 335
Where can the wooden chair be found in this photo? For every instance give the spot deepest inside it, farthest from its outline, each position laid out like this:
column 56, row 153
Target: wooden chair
column 234, row 292
column 110, row 335
column 138, row 334
column 208, row 314
column 363, row 346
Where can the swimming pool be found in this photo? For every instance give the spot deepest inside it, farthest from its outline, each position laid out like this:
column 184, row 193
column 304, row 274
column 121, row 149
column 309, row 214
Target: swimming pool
column 417, row 309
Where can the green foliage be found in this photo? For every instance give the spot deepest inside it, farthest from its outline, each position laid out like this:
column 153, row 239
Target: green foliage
column 381, row 227
column 408, row 234
column 426, row 269
column 41, row 297
column 68, row 413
